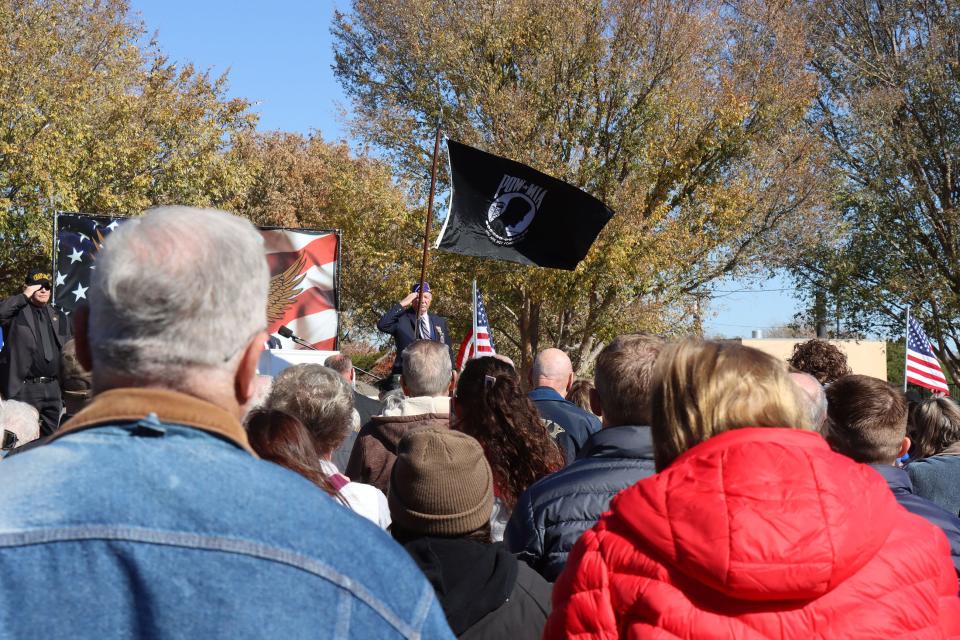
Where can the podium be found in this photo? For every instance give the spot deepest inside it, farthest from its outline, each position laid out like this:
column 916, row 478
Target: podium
column 273, row 361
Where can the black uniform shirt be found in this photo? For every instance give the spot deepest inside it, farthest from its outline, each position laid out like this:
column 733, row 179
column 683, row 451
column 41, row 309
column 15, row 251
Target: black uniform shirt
column 40, row 366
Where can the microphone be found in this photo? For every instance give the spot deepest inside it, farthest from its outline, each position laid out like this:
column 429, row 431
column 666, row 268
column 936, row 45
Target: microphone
column 285, row 332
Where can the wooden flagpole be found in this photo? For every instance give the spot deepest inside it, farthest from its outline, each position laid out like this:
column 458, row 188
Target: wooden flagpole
column 426, row 232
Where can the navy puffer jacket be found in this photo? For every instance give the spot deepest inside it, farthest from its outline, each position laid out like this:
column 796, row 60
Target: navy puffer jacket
column 554, row 512
column 899, row 483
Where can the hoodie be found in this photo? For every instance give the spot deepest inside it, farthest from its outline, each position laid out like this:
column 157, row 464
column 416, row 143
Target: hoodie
column 485, row 592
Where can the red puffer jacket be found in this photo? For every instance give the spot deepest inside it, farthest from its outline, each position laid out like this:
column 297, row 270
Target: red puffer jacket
column 758, row 533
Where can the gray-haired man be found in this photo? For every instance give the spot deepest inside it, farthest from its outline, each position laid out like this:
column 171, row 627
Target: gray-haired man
column 428, row 381
column 147, row 514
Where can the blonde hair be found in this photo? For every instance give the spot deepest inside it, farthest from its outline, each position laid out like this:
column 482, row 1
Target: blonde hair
column 701, row 389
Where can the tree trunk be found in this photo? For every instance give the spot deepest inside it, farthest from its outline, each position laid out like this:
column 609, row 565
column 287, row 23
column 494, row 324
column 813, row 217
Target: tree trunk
column 529, row 334
column 587, row 362
column 820, row 313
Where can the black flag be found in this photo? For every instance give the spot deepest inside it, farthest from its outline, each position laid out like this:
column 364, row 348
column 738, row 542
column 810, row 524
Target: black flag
column 505, row 210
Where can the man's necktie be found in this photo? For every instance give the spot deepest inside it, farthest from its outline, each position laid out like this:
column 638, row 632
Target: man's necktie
column 424, row 327
column 46, row 340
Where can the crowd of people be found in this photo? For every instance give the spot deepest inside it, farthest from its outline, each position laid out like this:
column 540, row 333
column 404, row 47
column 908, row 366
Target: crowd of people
column 692, row 489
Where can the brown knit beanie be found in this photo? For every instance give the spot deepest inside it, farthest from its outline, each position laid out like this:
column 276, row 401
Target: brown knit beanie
column 441, row 484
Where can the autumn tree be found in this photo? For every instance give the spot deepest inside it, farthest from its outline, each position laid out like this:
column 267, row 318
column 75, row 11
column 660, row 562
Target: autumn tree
column 890, row 109
column 302, row 181
column 686, row 117
column 91, row 121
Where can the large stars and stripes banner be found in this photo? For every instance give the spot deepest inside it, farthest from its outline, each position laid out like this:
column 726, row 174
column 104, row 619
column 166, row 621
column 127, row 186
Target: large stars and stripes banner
column 304, row 271
column 922, row 367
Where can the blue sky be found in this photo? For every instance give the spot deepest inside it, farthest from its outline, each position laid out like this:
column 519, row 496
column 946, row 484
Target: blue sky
column 279, row 56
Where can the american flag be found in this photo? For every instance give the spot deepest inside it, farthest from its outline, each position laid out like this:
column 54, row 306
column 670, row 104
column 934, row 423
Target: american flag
column 304, row 265
column 923, row 368
column 483, row 345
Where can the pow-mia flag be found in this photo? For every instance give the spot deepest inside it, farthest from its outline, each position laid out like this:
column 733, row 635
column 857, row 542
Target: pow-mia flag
column 505, row 210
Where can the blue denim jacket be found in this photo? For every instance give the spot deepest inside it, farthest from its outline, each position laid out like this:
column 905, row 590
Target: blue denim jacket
column 146, row 528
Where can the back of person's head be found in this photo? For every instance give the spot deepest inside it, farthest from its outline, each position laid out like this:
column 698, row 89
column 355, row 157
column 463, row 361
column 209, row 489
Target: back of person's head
column 934, row 427
column 392, row 399
column 505, row 359
column 867, row 419
column 819, row 358
column 261, row 390
column 319, row 398
column 579, row 394
column 20, row 419
column 622, row 376
column 176, row 290
column 75, row 381
column 441, row 485
column 552, row 368
column 282, row 439
column 426, row 369
column 490, row 405
column 340, row 363
column 813, row 398
column 701, row 389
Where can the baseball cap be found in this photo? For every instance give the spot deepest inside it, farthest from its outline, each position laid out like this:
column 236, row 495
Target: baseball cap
column 416, row 287
column 38, row 276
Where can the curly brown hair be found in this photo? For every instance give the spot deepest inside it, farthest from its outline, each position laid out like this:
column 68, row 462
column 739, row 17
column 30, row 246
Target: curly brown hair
column 819, row 358
column 492, row 407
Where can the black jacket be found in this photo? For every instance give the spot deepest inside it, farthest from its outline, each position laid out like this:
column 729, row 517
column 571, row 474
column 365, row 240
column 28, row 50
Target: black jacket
column 554, row 512
column 577, row 424
column 401, row 324
column 484, row 591
column 899, row 482
column 21, row 339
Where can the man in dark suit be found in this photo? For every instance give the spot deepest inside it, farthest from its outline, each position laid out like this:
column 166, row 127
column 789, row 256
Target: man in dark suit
column 406, row 325
column 34, row 335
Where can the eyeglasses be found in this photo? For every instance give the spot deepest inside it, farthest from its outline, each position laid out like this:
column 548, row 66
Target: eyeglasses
column 45, row 287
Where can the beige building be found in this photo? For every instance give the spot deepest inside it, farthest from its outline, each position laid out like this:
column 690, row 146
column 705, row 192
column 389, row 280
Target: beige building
column 866, row 357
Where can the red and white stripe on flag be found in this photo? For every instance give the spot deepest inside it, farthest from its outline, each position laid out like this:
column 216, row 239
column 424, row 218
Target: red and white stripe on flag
column 474, row 349
column 925, row 371
column 312, row 314
column 923, row 368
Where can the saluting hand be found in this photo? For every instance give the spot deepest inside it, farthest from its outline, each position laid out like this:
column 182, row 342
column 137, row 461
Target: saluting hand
column 30, row 289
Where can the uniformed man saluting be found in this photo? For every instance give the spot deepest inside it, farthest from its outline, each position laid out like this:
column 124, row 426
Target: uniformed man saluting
column 34, row 333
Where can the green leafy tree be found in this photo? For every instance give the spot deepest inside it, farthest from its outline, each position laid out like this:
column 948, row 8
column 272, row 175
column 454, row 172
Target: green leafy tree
column 686, row 117
column 90, row 121
column 298, row 181
column 890, row 109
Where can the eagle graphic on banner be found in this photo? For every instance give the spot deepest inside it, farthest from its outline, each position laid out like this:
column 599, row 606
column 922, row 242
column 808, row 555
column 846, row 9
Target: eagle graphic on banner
column 303, row 265
column 284, row 288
